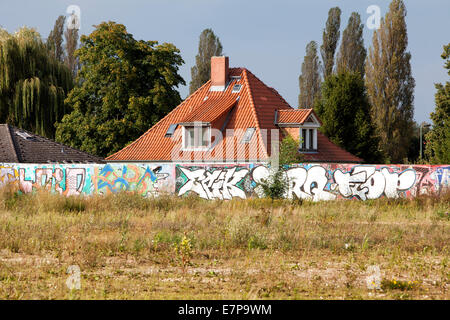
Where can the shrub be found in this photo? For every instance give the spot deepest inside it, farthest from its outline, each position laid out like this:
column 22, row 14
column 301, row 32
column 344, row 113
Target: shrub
column 275, row 186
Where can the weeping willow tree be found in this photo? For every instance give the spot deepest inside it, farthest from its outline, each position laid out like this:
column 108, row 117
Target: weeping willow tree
column 33, row 84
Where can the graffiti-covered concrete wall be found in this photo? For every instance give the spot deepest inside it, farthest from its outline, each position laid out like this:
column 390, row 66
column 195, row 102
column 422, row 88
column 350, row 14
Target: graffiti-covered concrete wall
column 306, row 181
column 89, row 179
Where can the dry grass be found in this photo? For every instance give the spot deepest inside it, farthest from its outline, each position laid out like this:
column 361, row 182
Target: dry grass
column 129, row 247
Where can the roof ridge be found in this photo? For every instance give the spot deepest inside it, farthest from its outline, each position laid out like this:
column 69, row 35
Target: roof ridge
column 252, row 105
column 272, row 89
column 299, row 109
column 189, row 97
column 279, row 96
column 11, row 141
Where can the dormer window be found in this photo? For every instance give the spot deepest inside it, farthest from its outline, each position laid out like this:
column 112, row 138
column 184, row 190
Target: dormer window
column 196, row 137
column 308, row 138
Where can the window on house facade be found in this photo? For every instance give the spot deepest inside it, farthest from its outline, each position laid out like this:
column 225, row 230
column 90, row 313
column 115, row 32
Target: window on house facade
column 308, row 138
column 197, row 137
column 303, row 139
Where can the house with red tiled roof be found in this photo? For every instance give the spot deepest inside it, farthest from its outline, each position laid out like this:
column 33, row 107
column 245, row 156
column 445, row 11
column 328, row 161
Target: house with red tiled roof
column 232, row 118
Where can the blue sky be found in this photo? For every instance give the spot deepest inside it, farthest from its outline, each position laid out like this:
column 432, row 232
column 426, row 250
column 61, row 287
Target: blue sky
column 267, row 37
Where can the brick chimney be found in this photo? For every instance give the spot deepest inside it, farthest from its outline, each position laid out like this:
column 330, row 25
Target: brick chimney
column 219, row 73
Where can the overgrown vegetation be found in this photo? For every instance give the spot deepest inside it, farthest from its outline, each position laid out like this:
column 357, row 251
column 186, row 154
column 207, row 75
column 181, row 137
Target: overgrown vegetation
column 438, row 139
column 130, row 247
column 276, row 184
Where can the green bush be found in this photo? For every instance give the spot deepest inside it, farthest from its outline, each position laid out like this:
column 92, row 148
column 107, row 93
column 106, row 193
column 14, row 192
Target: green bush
column 275, row 186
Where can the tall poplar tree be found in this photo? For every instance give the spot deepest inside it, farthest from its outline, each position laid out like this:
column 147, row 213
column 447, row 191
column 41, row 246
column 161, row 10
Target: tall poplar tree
column 390, row 83
column 55, row 39
column 352, row 54
column 309, row 80
column 438, row 139
column 71, row 36
column 208, row 46
column 33, row 83
column 330, row 39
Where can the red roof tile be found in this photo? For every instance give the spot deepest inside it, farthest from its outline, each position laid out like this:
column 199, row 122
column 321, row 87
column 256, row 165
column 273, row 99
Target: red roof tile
column 211, row 109
column 329, row 152
column 297, row 116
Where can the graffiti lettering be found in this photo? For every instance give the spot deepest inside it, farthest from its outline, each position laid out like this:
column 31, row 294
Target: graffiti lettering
column 7, row 174
column 366, row 182
column 213, row 184
column 74, row 180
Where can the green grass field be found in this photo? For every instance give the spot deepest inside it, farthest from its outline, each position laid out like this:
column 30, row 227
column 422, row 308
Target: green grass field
column 129, row 247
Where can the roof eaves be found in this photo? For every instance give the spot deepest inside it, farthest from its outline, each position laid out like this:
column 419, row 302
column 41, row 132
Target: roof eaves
column 289, row 124
column 317, row 117
column 194, row 123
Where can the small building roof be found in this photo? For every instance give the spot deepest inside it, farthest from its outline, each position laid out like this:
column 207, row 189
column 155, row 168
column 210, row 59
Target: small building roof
column 21, row 146
column 296, row 117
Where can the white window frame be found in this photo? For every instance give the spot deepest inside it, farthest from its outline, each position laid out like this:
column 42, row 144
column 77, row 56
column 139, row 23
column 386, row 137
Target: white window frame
column 196, row 126
column 308, row 137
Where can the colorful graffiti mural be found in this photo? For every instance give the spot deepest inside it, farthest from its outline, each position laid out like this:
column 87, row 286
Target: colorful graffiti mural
column 314, row 181
column 306, row 181
column 144, row 179
column 85, row 179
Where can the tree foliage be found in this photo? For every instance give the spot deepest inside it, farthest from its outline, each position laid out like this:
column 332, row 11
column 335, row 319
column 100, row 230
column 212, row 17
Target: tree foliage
column 123, row 88
column 438, row 139
column 55, row 40
column 64, row 52
column 33, row 83
column 309, row 80
column 209, row 45
column 352, row 53
column 289, row 151
column 330, row 39
column 345, row 113
column 390, row 83
column 414, row 155
column 71, row 36
column 276, row 184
